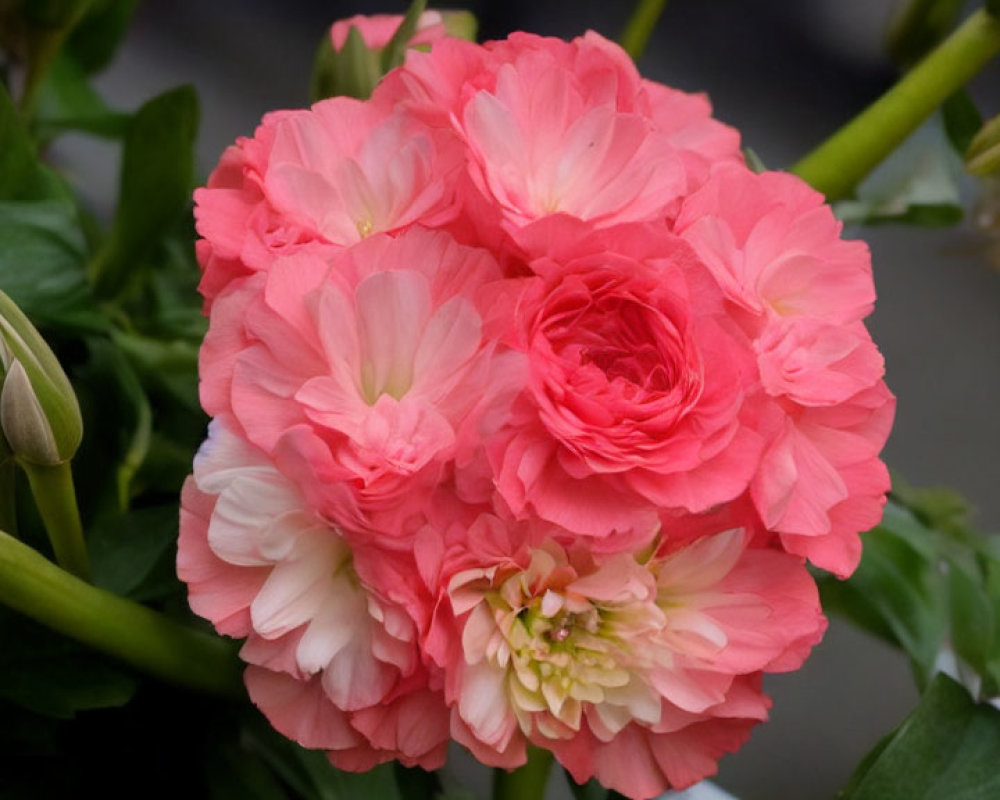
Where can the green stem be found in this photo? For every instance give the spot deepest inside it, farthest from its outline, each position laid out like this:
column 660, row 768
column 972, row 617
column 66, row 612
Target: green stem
column 838, row 165
column 55, row 498
column 8, row 498
column 640, row 26
column 146, row 639
column 527, row 782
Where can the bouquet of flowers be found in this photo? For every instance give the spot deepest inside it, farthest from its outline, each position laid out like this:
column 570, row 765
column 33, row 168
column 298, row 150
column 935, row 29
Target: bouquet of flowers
column 539, row 409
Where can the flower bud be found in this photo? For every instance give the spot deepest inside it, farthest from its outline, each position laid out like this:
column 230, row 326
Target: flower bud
column 983, row 156
column 25, row 427
column 39, row 412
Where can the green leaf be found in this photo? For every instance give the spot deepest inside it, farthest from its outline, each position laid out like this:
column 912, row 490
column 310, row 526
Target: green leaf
column 754, row 161
column 67, row 102
column 18, row 160
column 156, row 179
column 973, row 625
column 309, row 772
column 962, row 120
column 53, row 676
column 920, row 25
column 96, row 38
column 591, row 790
column 947, row 748
column 354, row 71
column 916, row 185
column 132, row 554
column 898, row 591
column 395, row 51
column 42, row 261
column 993, row 6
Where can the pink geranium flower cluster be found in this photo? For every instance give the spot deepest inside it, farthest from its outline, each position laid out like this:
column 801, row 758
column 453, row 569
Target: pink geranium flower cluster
column 530, row 402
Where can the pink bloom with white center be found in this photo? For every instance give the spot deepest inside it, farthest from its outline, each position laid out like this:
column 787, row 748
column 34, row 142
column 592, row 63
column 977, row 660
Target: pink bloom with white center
column 639, row 672
column 553, row 127
column 320, row 178
column 635, row 396
column 260, row 563
column 368, row 376
column 800, row 292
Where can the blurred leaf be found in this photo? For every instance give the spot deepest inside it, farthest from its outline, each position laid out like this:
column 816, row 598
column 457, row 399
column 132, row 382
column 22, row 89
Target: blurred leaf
column 96, row 38
column 898, row 591
column 234, row 774
column 133, row 553
column 961, row 119
column 754, row 161
column 354, row 71
column 68, row 102
column 170, row 364
column 983, row 156
column 42, row 258
column 591, row 790
column 916, row 185
column 51, row 675
column 415, row 783
column 993, row 6
column 918, row 26
column 394, row 52
column 156, row 178
column 309, row 772
column 972, row 620
column 18, row 161
column 947, row 748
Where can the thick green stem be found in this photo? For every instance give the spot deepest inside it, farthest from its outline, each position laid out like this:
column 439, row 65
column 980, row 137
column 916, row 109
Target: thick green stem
column 8, row 498
column 527, row 782
column 640, row 26
column 146, row 639
column 55, row 497
column 838, row 165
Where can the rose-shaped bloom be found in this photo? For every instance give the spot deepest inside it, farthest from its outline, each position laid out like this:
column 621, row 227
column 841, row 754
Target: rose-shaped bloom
column 641, row 673
column 800, row 292
column 636, row 389
column 320, row 178
column 368, row 376
column 334, row 665
column 553, row 127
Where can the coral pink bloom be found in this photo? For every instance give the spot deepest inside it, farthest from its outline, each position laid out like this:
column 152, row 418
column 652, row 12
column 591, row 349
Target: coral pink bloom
column 636, row 389
column 640, row 673
column 800, row 292
column 320, row 177
column 367, row 376
column 378, row 29
column 564, row 128
column 260, row 563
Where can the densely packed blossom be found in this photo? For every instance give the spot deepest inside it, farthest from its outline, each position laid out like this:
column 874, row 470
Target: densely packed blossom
column 531, row 400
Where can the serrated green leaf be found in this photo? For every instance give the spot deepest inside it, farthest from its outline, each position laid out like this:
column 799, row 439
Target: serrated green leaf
column 962, row 120
column 947, row 748
column 157, row 167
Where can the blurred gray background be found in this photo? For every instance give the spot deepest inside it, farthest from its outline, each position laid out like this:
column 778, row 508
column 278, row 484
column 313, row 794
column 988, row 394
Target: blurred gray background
column 786, row 74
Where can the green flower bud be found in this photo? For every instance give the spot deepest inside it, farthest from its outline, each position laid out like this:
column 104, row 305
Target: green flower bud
column 39, row 412
column 22, row 418
column 983, row 156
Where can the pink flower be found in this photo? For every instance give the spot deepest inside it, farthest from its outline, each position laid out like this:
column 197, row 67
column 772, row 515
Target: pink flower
column 319, row 179
column 636, row 389
column 800, row 292
column 368, row 376
column 639, row 672
column 377, row 29
column 334, row 664
column 553, row 127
